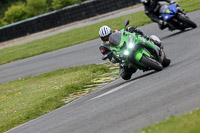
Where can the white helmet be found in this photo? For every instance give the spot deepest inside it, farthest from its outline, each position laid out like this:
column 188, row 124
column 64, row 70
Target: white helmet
column 104, row 31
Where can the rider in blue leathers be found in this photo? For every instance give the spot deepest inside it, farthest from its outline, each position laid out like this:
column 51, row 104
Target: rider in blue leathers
column 152, row 8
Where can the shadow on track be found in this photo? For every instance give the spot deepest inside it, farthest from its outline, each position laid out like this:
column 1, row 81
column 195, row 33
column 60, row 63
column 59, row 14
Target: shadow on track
column 133, row 79
column 174, row 34
column 119, row 84
column 142, row 76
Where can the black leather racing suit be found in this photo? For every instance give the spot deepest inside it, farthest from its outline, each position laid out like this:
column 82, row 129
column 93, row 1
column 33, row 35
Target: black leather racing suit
column 152, row 9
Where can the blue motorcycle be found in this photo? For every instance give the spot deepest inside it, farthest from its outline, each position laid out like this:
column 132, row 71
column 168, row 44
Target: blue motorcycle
column 175, row 17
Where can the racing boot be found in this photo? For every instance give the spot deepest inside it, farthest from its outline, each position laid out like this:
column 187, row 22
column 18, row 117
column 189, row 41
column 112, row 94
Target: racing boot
column 171, row 27
column 162, row 25
column 126, row 71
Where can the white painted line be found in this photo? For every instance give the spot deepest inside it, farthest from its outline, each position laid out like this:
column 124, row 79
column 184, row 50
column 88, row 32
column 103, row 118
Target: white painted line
column 113, row 90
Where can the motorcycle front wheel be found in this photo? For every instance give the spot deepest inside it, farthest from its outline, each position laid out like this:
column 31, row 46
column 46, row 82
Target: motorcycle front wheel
column 149, row 62
column 187, row 21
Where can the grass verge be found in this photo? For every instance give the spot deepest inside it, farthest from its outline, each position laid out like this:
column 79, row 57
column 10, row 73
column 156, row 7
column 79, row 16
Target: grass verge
column 187, row 123
column 28, row 98
column 79, row 35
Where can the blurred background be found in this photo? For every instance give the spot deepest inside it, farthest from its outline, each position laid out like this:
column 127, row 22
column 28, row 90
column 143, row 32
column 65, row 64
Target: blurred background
column 22, row 17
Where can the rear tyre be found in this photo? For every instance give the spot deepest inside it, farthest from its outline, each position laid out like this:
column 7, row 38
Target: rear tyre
column 149, row 62
column 187, row 21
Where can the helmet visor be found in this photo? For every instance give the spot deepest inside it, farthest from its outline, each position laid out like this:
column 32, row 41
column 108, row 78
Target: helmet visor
column 105, row 38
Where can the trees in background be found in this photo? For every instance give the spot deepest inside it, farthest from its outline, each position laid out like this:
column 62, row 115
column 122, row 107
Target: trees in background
column 15, row 13
column 57, row 4
column 23, row 9
column 36, row 7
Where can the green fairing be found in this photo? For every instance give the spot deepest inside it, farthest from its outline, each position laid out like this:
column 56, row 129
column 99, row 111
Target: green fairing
column 147, row 43
column 137, row 40
column 138, row 55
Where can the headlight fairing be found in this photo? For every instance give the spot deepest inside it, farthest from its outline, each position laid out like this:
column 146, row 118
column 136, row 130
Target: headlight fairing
column 126, row 52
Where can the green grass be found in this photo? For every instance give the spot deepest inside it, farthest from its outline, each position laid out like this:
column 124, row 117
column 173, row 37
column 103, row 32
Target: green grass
column 78, row 35
column 187, row 123
column 26, row 99
column 189, row 5
column 65, row 39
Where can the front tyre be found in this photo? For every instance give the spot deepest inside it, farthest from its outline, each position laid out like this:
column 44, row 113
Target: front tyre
column 187, row 21
column 149, row 62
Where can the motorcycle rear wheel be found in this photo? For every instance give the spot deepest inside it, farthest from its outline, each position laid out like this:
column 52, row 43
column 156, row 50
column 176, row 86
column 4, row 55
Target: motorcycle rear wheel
column 149, row 62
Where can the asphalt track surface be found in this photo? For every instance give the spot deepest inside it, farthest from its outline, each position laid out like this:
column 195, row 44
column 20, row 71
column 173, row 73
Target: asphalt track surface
column 125, row 106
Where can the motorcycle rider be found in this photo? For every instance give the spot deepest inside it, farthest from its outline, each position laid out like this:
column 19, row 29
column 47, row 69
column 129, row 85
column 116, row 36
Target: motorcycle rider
column 152, row 8
column 105, row 32
column 126, row 70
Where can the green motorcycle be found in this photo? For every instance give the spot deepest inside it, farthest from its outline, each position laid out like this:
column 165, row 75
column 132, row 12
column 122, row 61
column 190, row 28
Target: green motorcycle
column 134, row 50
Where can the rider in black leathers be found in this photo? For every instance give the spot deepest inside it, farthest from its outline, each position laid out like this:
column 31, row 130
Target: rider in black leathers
column 152, row 8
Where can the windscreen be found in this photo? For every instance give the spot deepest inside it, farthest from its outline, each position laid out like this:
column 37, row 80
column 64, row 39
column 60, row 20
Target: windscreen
column 163, row 9
column 115, row 39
